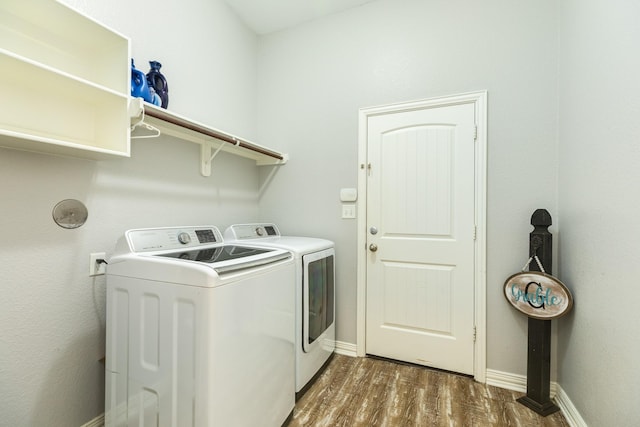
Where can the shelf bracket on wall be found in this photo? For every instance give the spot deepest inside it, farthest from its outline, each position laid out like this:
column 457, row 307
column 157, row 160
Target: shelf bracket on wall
column 206, row 156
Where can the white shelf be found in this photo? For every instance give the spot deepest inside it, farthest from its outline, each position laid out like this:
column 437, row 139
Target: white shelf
column 212, row 140
column 65, row 84
column 66, row 90
column 52, row 33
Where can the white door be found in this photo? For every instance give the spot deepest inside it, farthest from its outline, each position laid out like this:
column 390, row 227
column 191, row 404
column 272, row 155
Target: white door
column 420, row 236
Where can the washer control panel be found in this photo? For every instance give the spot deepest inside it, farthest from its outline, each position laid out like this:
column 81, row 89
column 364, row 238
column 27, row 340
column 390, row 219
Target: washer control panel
column 160, row 239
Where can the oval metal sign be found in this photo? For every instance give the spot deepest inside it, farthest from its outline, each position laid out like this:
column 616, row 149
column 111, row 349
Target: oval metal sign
column 538, row 295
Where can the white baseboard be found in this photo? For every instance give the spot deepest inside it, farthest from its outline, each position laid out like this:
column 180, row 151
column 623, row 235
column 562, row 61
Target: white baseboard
column 507, row 380
column 346, row 349
column 568, row 410
column 514, row 382
column 519, row 383
column 96, row 422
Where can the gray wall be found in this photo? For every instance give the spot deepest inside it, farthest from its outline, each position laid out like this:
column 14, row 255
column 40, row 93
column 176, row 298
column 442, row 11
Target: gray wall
column 314, row 78
column 599, row 177
column 52, row 315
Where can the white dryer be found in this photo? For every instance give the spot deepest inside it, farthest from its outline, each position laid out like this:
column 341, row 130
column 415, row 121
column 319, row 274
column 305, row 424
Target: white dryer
column 199, row 333
column 315, row 294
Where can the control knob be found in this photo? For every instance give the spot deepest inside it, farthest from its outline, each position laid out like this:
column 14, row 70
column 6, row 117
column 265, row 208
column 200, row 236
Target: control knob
column 184, row 238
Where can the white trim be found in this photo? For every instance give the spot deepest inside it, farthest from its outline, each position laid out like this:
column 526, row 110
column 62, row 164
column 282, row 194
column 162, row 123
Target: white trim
column 507, row 380
column 346, row 349
column 519, row 383
column 480, row 268
column 96, row 422
column 514, row 382
column 568, row 409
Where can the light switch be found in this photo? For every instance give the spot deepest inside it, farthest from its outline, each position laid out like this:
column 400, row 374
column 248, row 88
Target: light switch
column 348, row 211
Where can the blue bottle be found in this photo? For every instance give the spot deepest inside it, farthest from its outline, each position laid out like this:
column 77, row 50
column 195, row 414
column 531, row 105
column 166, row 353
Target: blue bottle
column 139, row 86
column 157, row 81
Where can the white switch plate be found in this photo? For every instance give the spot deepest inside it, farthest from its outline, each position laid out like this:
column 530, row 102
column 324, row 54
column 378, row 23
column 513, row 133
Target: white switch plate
column 348, row 211
column 97, row 268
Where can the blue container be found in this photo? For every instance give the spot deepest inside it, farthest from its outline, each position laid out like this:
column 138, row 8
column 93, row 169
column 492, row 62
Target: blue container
column 139, row 86
column 158, row 82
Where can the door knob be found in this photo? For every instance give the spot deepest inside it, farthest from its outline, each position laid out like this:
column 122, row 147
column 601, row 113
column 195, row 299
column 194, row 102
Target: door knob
column 373, row 247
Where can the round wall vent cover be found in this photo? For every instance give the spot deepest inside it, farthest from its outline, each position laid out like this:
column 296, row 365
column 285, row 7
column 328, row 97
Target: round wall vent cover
column 70, row 213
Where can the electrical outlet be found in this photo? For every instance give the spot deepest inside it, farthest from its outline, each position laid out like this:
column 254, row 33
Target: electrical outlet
column 97, row 268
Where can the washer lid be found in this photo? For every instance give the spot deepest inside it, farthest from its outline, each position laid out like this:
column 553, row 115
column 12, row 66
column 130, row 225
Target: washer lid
column 225, row 259
column 216, row 254
column 194, row 244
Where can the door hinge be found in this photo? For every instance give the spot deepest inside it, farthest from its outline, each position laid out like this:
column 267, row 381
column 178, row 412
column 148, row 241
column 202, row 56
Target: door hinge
column 475, row 232
column 474, row 334
column 475, row 133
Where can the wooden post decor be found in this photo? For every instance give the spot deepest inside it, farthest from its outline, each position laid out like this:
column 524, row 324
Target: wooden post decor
column 541, row 297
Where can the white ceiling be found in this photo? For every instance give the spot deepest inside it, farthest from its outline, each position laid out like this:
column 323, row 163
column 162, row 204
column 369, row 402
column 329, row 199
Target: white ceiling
column 266, row 16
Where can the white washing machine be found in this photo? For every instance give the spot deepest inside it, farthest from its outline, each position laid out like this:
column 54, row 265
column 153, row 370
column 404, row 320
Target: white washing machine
column 199, row 332
column 315, row 294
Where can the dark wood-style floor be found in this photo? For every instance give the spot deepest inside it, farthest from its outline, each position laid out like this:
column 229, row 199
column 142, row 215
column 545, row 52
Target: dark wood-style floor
column 378, row 393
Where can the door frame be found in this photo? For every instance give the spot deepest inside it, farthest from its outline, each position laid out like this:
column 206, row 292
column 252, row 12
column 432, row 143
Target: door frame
column 479, row 99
